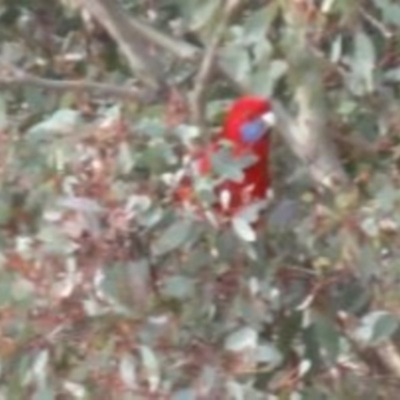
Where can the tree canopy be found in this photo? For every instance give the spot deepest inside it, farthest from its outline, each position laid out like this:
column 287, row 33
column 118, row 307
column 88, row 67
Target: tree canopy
column 109, row 289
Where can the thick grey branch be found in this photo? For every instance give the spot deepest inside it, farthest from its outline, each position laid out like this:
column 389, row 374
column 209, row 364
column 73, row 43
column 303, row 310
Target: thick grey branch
column 307, row 134
column 136, row 49
column 179, row 48
column 22, row 80
column 209, row 62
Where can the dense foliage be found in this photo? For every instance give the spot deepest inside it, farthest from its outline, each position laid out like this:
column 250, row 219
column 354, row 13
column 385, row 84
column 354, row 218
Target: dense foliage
column 109, row 289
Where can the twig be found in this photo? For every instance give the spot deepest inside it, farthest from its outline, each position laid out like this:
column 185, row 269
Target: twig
column 179, row 48
column 54, row 85
column 209, row 62
column 202, row 79
column 385, row 32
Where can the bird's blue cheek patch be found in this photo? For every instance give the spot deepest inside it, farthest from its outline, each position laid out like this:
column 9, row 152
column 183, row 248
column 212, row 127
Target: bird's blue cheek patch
column 253, row 130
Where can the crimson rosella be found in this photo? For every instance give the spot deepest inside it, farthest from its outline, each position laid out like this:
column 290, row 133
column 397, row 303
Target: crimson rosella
column 244, row 141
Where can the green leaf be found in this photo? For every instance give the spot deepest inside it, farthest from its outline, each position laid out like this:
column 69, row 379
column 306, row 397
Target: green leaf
column 347, row 107
column 40, row 367
column 173, row 237
column 337, row 49
column 377, row 326
column 284, row 215
column 288, row 329
column 179, row 287
column 255, row 26
column 264, row 81
column 235, row 390
column 184, row 394
column 23, row 289
column 363, row 64
column 127, row 370
column 251, row 212
column 390, row 11
column 228, row 167
column 3, row 112
column 187, row 133
column 236, row 60
column 385, row 326
column 243, row 339
column 392, row 75
column 44, row 393
column 6, row 211
column 75, row 389
column 327, row 6
column 151, row 127
column 63, row 121
column 36, row 99
column 327, row 336
column 304, row 367
column 387, row 197
column 151, row 367
column 199, row 14
column 6, row 287
column 243, row 229
column 125, row 158
column 268, row 353
column 311, row 393
column 137, row 204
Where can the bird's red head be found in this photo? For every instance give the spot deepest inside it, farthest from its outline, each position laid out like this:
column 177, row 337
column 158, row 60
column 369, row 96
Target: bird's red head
column 248, row 120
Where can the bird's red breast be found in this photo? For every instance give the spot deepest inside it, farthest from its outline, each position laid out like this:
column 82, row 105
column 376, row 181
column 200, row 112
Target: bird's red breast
column 245, row 128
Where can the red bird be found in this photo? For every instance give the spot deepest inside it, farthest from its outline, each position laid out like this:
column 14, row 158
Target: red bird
column 243, row 141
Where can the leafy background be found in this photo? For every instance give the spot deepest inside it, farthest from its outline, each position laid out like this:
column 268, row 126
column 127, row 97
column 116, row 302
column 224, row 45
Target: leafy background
column 109, row 289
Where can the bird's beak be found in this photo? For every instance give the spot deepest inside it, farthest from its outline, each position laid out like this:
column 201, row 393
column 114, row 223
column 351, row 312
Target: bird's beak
column 269, row 119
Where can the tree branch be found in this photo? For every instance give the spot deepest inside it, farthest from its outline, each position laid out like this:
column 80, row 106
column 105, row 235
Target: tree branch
column 22, row 79
column 179, row 48
column 136, row 49
column 381, row 28
column 133, row 30
column 307, row 134
column 208, row 63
